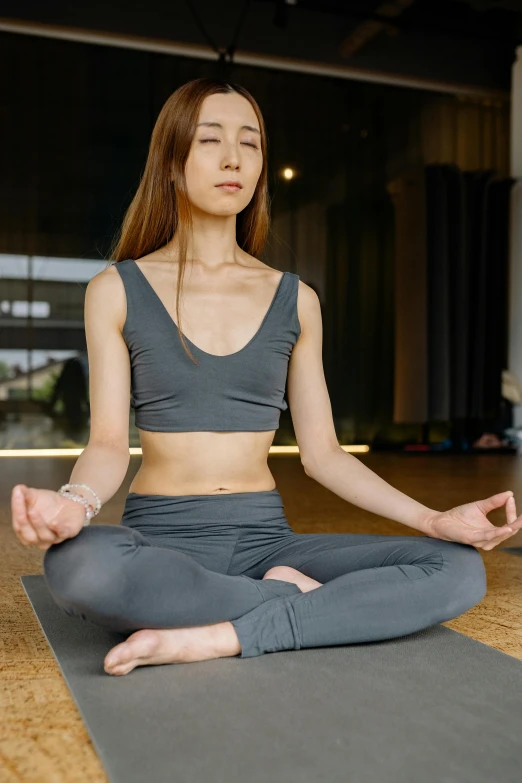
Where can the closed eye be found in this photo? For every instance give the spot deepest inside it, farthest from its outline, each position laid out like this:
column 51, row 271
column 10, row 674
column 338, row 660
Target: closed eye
column 248, row 143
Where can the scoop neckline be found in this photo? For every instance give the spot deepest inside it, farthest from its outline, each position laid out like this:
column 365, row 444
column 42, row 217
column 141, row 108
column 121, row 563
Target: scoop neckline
column 193, row 345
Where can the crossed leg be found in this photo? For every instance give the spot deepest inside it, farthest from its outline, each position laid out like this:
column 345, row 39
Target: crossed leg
column 184, row 645
column 175, row 609
column 371, row 587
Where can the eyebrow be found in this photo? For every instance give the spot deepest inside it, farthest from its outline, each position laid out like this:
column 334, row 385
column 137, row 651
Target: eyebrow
column 219, row 125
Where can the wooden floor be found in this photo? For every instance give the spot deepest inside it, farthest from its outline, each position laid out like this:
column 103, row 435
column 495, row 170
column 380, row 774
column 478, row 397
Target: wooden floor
column 42, row 736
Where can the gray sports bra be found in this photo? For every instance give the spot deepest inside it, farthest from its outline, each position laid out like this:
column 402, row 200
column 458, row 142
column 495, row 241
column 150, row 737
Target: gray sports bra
column 242, row 391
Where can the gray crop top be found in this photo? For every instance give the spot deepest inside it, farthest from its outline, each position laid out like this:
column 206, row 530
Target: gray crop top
column 242, row 391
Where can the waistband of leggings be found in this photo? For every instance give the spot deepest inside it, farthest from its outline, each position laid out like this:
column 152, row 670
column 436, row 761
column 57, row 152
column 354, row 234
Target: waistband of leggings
column 254, row 495
column 233, row 508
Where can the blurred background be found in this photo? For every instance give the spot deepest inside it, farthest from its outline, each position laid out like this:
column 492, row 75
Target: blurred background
column 395, row 169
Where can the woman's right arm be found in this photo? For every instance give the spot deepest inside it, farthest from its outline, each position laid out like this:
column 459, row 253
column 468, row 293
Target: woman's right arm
column 42, row 516
column 104, row 462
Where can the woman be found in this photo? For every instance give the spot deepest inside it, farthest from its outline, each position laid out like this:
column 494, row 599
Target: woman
column 204, row 563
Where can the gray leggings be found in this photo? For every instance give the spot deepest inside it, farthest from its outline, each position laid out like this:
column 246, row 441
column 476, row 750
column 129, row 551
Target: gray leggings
column 187, row 560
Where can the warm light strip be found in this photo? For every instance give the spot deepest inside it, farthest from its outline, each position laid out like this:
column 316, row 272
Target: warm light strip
column 136, row 450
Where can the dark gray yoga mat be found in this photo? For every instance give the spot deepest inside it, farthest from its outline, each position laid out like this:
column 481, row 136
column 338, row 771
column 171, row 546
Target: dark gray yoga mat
column 434, row 706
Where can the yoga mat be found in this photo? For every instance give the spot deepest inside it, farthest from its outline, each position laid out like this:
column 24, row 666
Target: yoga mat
column 434, row 706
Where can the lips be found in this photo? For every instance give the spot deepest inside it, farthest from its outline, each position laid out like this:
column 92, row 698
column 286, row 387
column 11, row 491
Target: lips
column 231, row 184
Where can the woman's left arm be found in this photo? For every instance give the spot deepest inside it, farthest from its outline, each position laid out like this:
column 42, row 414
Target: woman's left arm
column 325, row 461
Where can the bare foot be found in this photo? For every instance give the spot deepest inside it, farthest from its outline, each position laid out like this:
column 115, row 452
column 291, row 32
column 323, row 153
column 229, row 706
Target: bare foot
column 288, row 574
column 172, row 645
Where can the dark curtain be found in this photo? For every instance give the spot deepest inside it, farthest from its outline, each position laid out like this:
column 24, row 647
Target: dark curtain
column 464, row 303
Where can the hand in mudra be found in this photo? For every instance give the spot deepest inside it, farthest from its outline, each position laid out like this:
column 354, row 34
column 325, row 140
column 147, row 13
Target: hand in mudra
column 43, row 517
column 468, row 524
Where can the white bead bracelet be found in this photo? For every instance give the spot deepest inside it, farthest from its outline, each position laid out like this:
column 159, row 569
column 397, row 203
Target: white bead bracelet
column 90, row 511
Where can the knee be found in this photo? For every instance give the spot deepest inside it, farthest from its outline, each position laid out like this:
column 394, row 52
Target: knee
column 467, row 582
column 84, row 569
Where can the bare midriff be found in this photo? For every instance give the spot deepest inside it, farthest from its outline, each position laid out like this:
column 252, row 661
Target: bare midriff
column 203, row 463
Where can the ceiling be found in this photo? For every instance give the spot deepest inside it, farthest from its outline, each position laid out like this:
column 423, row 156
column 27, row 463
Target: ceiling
column 452, row 42
column 488, row 19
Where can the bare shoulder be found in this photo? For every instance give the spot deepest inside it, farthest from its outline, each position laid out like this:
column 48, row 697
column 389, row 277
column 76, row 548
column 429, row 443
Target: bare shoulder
column 308, row 297
column 105, row 297
column 308, row 308
column 307, row 293
column 105, row 283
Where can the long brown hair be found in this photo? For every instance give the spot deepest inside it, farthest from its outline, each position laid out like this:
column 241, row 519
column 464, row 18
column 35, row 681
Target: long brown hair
column 161, row 208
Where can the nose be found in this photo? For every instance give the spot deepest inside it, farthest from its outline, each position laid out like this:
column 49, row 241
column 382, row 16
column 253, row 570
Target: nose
column 231, row 164
column 230, row 157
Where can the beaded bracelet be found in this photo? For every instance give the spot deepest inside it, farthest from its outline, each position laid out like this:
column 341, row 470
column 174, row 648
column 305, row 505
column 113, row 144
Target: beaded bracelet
column 90, row 511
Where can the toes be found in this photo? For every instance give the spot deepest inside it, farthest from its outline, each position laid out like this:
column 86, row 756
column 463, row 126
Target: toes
column 117, row 666
column 127, row 655
column 116, row 657
column 113, row 657
column 121, row 669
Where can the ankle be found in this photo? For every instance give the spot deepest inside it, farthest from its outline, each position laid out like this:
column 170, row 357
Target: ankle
column 224, row 639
